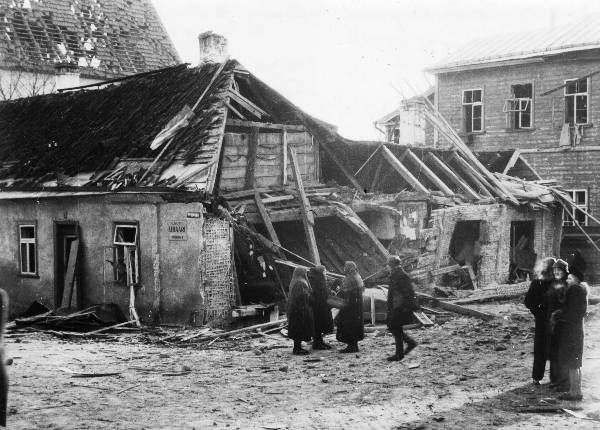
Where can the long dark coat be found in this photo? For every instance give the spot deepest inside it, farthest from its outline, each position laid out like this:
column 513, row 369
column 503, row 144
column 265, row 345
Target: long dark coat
column 539, row 300
column 401, row 300
column 569, row 325
column 321, row 310
column 299, row 312
column 555, row 300
column 349, row 320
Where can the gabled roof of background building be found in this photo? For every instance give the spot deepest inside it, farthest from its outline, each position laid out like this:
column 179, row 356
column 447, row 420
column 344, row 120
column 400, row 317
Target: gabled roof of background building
column 104, row 38
column 581, row 35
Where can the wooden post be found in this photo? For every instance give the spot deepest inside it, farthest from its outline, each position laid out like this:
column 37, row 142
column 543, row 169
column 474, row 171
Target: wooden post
column 453, row 176
column 308, row 219
column 429, row 173
column 403, row 171
column 251, row 159
column 285, row 156
column 262, row 210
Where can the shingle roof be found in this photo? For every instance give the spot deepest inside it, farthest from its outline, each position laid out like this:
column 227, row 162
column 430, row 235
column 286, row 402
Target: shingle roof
column 581, row 35
column 105, row 38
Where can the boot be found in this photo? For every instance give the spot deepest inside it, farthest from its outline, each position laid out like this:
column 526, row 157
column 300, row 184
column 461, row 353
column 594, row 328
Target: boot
column 411, row 344
column 352, row 347
column 319, row 344
column 298, row 350
column 399, row 355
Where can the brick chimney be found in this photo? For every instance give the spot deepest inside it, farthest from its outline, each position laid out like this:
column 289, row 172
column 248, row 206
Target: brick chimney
column 213, row 47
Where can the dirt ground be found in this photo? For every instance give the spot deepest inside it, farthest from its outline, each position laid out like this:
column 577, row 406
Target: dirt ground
column 465, row 374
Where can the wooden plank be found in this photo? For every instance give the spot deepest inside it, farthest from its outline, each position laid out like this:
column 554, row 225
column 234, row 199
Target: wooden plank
column 308, row 220
column 403, row 171
column 70, row 274
column 422, row 318
column 235, row 111
column 456, row 308
column 266, row 219
column 250, row 167
column 472, row 276
column 429, row 173
column 444, row 270
column 470, row 172
column 368, row 159
column 348, row 216
column 511, row 162
column 342, row 168
column 284, row 161
column 266, row 125
column 452, row 176
column 246, row 104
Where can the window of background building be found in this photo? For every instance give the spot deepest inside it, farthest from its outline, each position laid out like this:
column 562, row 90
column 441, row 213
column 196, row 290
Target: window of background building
column 580, row 198
column 27, row 249
column 519, row 108
column 576, row 101
column 472, row 101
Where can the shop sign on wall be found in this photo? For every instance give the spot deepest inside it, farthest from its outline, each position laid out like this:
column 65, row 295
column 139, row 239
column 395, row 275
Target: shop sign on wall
column 177, row 230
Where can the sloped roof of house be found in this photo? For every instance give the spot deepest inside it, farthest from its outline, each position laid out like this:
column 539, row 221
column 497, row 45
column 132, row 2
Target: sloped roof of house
column 105, row 38
column 581, row 35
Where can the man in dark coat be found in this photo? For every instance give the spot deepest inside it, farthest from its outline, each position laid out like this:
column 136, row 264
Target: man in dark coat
column 349, row 321
column 321, row 311
column 401, row 303
column 537, row 300
column 569, row 323
column 559, row 375
column 299, row 312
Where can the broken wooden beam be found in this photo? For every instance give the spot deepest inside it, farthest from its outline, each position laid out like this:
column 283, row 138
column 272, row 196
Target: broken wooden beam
column 422, row 318
column 262, row 210
column 403, row 171
column 246, row 329
column 246, row 104
column 453, row 177
column 342, row 167
column 456, row 308
column 308, row 220
column 472, row 174
column 429, row 173
column 265, row 125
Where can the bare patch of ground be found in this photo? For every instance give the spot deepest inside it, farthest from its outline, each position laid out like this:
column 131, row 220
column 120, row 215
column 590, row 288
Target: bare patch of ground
column 465, row 374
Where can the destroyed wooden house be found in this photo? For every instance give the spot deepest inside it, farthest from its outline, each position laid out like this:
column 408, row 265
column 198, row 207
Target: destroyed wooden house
column 184, row 193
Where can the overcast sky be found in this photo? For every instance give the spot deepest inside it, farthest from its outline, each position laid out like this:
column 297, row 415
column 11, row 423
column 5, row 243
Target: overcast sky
column 348, row 62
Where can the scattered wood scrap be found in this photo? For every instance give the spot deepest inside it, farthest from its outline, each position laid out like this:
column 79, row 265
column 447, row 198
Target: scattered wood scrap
column 455, row 308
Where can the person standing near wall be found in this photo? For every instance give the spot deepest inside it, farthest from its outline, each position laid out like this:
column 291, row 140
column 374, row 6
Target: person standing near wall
column 323, row 322
column 559, row 376
column 299, row 311
column 569, row 323
column 401, row 303
column 350, row 327
column 537, row 300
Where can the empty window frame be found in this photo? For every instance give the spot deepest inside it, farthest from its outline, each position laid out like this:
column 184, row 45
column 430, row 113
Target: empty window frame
column 28, row 248
column 472, row 101
column 125, row 253
column 575, row 215
column 577, row 101
column 519, row 108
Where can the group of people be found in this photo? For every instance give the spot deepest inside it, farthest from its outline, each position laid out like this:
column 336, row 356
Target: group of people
column 309, row 312
column 558, row 300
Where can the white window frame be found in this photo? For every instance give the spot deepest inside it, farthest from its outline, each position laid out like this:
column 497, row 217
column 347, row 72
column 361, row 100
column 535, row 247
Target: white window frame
column 575, row 95
column 120, row 248
column 28, row 242
column 572, row 221
column 519, row 105
column 471, row 106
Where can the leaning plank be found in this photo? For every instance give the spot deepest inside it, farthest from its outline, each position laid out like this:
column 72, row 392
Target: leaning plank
column 423, row 319
column 429, row 173
column 453, row 176
column 512, row 161
column 266, row 219
column 247, row 329
column 368, row 159
column 456, row 308
column 403, row 171
column 308, row 220
column 246, row 104
column 100, row 330
column 342, row 167
column 70, row 278
column 472, row 174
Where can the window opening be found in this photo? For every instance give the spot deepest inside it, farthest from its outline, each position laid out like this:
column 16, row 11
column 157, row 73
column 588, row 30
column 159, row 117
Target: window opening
column 520, row 107
column 473, row 110
column 575, row 215
column 522, row 254
column 125, row 254
column 576, row 101
column 27, row 249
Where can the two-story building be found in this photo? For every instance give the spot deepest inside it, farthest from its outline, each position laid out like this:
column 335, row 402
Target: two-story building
column 537, row 93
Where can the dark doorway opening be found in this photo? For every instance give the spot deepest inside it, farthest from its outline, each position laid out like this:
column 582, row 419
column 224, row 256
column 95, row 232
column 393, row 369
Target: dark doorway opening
column 465, row 245
column 66, row 243
column 522, row 255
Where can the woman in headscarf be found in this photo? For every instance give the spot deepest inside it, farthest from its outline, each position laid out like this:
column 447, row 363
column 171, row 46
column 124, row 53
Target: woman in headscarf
column 559, row 375
column 536, row 300
column 299, row 312
column 401, row 303
column 321, row 310
column 349, row 320
column 569, row 323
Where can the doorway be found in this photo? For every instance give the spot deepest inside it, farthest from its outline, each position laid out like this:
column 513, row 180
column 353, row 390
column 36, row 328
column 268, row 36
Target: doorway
column 66, row 250
column 522, row 254
column 465, row 247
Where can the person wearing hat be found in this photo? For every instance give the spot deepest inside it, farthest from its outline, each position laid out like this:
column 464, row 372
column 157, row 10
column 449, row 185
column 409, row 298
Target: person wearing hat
column 349, row 321
column 537, row 300
column 569, row 325
column 559, row 376
column 299, row 311
column 401, row 302
column 323, row 322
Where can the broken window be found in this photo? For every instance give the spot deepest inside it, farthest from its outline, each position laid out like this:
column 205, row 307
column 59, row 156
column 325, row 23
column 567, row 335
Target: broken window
column 519, row 108
column 522, row 251
column 575, row 215
column 125, row 253
column 576, row 101
column 27, row 249
column 472, row 102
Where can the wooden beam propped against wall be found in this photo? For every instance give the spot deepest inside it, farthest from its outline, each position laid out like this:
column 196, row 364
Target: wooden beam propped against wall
column 246, row 104
column 429, row 173
column 512, row 161
column 453, row 176
column 403, row 171
column 343, row 168
column 472, row 174
column 308, row 220
column 262, row 210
